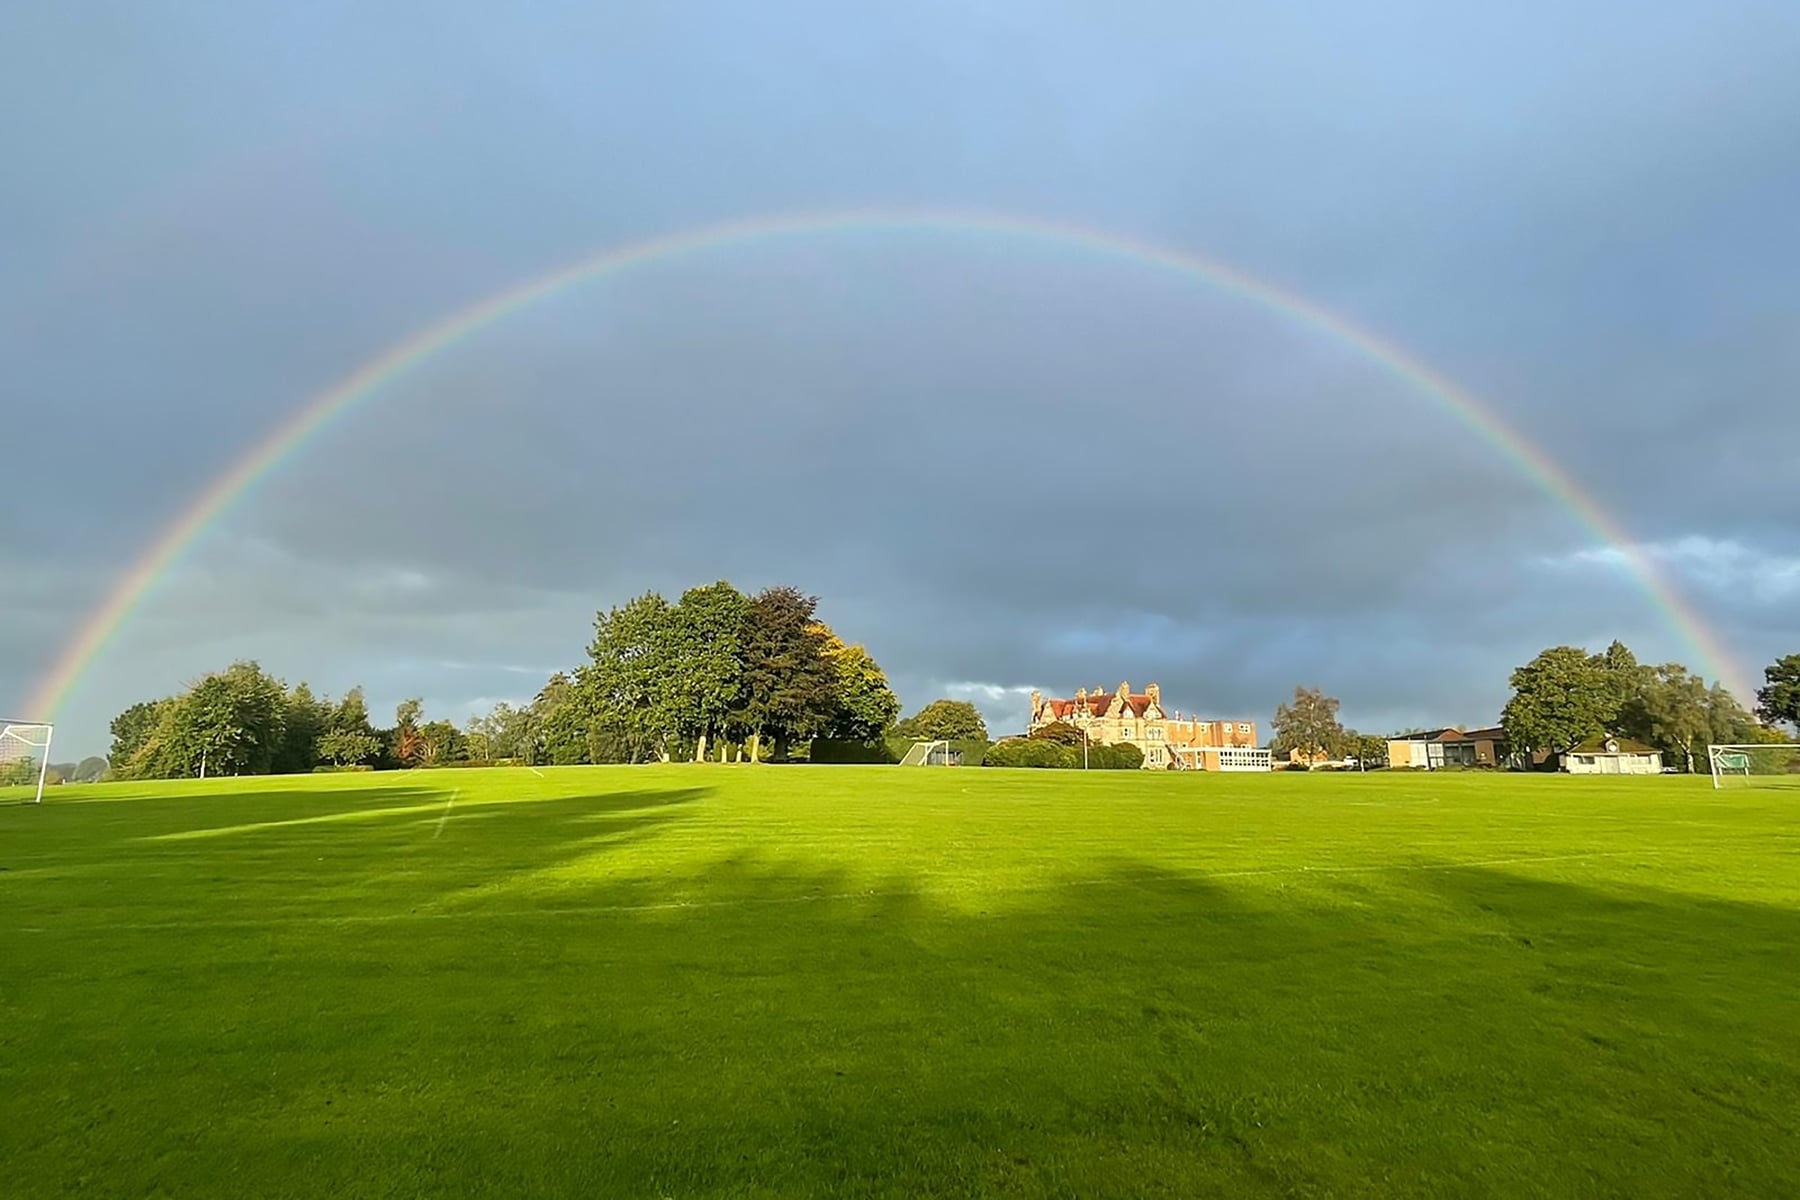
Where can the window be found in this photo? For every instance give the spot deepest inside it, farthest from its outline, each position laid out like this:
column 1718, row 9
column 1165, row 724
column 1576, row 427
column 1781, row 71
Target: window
column 1586, row 760
column 1242, row 728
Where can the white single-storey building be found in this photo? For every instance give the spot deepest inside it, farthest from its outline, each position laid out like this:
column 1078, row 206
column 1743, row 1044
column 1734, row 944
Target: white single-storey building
column 1612, row 756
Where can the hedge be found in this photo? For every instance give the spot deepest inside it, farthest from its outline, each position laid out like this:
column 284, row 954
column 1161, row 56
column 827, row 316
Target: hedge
column 843, row 750
column 1037, row 752
column 1033, row 752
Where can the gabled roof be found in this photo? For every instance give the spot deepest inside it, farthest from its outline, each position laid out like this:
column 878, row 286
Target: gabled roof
column 1137, row 704
column 1096, row 706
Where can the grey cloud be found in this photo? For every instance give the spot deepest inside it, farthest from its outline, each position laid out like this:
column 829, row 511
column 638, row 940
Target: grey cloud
column 1002, row 464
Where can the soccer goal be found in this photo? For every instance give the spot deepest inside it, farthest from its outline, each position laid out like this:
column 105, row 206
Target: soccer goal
column 24, row 760
column 1755, row 765
column 930, row 754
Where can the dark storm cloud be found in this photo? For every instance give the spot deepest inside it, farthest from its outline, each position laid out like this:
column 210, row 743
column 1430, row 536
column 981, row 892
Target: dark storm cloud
column 1003, row 465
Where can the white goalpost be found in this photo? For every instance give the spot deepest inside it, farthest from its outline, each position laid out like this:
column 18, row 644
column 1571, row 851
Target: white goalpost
column 928, row 754
column 24, row 759
column 1751, row 765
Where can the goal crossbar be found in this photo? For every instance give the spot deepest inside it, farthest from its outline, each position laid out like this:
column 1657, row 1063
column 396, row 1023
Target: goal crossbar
column 25, row 755
column 1749, row 759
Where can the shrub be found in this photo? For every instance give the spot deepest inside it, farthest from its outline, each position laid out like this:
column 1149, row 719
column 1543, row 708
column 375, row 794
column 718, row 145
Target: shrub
column 1037, row 752
column 1027, row 752
column 1122, row 757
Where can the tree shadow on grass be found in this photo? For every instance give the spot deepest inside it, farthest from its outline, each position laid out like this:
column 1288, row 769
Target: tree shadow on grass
column 102, row 829
column 312, row 856
column 782, row 1027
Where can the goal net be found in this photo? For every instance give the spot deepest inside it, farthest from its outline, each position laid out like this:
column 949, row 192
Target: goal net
column 1756, row 765
column 24, row 760
column 929, row 754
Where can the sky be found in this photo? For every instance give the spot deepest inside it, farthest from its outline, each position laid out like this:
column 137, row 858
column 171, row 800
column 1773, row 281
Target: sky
column 1003, row 464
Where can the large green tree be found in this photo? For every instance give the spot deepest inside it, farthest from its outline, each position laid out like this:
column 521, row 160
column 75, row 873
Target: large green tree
column 1369, row 749
column 864, row 706
column 1621, row 678
column 132, row 728
column 346, row 747
column 563, row 721
column 705, row 668
column 441, row 742
column 482, row 735
column 789, row 688
column 504, row 733
column 1672, row 710
column 1778, row 700
column 349, row 739
column 242, row 713
column 948, row 720
column 629, row 674
column 1560, row 699
column 1309, row 723
column 351, row 714
column 231, row 722
column 308, row 717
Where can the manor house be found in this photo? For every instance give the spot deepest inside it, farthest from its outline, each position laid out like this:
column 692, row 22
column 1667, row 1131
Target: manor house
column 1183, row 743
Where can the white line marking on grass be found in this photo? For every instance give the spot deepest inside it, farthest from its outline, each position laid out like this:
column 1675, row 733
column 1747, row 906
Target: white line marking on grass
column 581, row 910
column 535, row 771
column 440, row 828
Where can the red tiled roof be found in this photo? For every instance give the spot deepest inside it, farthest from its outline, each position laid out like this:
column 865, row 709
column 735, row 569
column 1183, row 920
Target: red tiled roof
column 1097, row 704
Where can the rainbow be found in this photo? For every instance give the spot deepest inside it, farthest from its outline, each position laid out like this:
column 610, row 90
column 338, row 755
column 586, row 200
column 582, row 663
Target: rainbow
column 103, row 625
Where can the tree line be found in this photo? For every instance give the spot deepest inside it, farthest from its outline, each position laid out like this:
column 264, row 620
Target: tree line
column 1566, row 696
column 713, row 674
column 23, row 772
column 720, row 674
column 244, row 721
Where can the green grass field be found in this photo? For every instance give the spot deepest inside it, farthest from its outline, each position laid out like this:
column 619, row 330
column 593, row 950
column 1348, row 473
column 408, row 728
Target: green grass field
column 875, row 981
